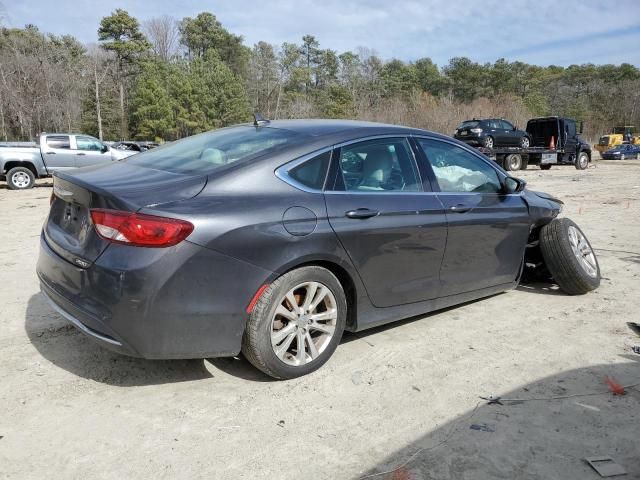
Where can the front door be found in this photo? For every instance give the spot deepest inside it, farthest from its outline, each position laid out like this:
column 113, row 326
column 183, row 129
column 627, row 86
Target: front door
column 90, row 151
column 57, row 153
column 393, row 231
column 488, row 229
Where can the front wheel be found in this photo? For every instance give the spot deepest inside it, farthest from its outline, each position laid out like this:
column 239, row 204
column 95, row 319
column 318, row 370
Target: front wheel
column 524, row 142
column 20, row 178
column 582, row 162
column 488, row 142
column 569, row 257
column 296, row 324
column 622, row 156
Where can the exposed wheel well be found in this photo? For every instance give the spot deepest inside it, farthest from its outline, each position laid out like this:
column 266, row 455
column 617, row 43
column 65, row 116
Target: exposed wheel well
column 347, row 285
column 16, row 163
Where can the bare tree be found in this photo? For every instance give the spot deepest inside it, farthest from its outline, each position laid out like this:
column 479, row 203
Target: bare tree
column 163, row 34
column 100, row 65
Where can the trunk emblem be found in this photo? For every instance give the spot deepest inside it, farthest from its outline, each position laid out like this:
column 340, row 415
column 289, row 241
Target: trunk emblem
column 81, row 263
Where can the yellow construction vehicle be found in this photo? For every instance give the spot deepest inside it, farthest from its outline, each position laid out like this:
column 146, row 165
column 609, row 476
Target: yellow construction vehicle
column 618, row 136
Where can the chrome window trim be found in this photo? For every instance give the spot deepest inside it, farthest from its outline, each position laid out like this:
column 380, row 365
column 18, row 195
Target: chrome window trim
column 282, row 172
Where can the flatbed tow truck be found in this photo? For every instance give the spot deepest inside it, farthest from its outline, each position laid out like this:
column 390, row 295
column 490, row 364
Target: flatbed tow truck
column 554, row 141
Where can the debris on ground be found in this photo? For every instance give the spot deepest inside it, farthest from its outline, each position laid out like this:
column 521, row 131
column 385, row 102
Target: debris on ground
column 614, row 386
column 606, row 466
column 482, row 427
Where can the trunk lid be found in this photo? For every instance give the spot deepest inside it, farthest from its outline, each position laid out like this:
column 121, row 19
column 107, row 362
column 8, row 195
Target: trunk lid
column 69, row 230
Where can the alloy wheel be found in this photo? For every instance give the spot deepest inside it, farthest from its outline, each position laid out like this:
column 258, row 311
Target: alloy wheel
column 304, row 323
column 582, row 251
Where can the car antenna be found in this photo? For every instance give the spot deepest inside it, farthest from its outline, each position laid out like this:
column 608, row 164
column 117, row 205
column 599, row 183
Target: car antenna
column 259, row 120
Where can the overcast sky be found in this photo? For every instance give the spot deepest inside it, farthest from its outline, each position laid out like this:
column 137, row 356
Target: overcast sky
column 560, row 32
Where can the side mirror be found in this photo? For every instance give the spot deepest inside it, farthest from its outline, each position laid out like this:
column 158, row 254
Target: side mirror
column 514, row 185
column 515, row 128
column 105, row 148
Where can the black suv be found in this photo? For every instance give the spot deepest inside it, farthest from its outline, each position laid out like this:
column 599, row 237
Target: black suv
column 491, row 133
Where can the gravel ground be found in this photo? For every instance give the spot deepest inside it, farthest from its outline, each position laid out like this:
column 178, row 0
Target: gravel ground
column 405, row 395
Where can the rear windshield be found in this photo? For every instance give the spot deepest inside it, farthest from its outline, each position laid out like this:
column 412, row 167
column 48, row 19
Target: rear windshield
column 469, row 124
column 207, row 152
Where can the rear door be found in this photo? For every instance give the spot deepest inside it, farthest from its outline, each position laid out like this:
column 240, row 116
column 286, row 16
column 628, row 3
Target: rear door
column 392, row 229
column 57, row 153
column 90, row 151
column 488, row 229
column 510, row 134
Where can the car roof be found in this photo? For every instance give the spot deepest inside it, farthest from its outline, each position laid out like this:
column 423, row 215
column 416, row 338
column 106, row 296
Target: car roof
column 323, row 127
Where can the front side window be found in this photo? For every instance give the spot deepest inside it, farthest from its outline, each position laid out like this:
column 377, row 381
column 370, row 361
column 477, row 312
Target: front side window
column 88, row 143
column 313, row 172
column 382, row 165
column 457, row 170
column 207, row 152
column 58, row 141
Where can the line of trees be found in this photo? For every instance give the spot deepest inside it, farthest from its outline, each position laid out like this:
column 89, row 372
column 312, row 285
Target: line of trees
column 166, row 78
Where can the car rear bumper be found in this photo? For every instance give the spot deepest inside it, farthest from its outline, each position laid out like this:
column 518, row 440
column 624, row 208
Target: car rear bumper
column 180, row 302
column 470, row 140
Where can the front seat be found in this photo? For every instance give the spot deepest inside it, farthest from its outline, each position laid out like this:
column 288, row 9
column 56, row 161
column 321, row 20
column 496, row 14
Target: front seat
column 376, row 168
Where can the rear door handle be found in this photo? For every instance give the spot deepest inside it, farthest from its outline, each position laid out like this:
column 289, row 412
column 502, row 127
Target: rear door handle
column 460, row 208
column 80, row 153
column 50, row 153
column 361, row 213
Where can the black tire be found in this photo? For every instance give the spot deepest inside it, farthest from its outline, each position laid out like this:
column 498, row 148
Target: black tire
column 525, row 164
column 20, row 178
column 488, row 142
column 256, row 342
column 546, row 166
column 568, row 272
column 513, row 162
column 582, row 161
column 525, row 142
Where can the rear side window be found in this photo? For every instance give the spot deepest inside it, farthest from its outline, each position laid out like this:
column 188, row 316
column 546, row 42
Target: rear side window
column 58, row 141
column 457, row 170
column 313, row 172
column 506, row 125
column 384, row 165
column 210, row 151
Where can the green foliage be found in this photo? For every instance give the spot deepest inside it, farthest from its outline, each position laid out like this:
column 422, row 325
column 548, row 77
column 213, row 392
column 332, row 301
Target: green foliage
column 120, row 33
column 204, row 33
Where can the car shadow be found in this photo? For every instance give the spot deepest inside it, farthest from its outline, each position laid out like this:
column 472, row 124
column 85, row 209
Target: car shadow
column 3, row 186
column 543, row 438
column 66, row 347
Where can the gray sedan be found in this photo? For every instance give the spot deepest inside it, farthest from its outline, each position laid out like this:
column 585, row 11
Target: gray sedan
column 273, row 238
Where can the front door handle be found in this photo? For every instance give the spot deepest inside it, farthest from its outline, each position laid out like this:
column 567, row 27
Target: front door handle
column 80, row 153
column 50, row 153
column 460, row 208
column 361, row 213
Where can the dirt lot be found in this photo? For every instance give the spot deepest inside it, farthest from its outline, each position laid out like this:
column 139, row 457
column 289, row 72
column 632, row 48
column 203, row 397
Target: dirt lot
column 407, row 393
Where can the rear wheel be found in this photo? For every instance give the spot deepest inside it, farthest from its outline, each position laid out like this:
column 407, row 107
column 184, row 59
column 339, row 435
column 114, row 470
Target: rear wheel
column 569, row 257
column 582, row 162
column 546, row 166
column 488, row 142
column 20, row 178
column 296, row 324
column 513, row 162
column 524, row 142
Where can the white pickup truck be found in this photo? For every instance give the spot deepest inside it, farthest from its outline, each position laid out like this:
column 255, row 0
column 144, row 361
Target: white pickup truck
column 21, row 163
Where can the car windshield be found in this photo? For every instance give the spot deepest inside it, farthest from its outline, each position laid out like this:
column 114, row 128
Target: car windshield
column 210, row 151
column 469, row 124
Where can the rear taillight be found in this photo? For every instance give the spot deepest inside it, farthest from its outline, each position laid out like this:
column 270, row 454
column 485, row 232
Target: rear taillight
column 139, row 230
